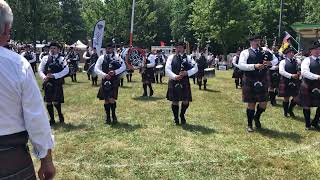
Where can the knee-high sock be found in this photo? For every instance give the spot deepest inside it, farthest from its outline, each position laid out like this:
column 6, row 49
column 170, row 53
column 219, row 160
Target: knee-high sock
column 107, row 110
column 184, row 108
column 157, row 78
column 144, row 89
column 316, row 117
column 285, row 106
column 113, row 110
column 175, row 111
column 160, row 78
column 205, row 83
column 258, row 113
column 50, row 111
column 128, row 80
column 250, row 116
column 306, row 113
column 58, row 107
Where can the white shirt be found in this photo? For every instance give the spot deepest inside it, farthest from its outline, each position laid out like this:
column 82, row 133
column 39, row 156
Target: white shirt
column 305, row 69
column 243, row 65
column 172, row 75
column 85, row 55
column 58, row 75
column 152, row 58
column 98, row 66
column 234, row 61
column 42, row 55
column 21, row 105
column 33, row 56
column 282, row 70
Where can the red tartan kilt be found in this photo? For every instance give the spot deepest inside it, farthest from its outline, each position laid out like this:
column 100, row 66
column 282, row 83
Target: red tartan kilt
column 110, row 94
column 305, row 97
column 248, row 94
column 183, row 95
column 284, row 91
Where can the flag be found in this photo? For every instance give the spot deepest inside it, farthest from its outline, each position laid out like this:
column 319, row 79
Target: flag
column 162, row 43
column 98, row 34
column 285, row 42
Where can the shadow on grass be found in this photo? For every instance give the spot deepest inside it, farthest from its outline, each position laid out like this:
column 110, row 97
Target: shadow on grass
column 147, row 98
column 68, row 127
column 126, row 126
column 198, row 129
column 297, row 118
column 211, row 90
column 280, row 135
column 125, row 87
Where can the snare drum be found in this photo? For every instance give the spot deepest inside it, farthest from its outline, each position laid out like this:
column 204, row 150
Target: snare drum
column 159, row 69
column 209, row 72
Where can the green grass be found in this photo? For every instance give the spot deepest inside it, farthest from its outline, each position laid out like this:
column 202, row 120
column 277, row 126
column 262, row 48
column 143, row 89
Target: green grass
column 147, row 145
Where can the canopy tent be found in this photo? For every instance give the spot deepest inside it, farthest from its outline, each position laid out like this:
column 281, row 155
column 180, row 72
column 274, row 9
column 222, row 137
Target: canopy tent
column 307, row 33
column 79, row 45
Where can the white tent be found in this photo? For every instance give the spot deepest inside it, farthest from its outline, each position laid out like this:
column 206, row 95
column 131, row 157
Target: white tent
column 79, row 45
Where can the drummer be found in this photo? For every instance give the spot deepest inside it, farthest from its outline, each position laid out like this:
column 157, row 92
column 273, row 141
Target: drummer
column 160, row 62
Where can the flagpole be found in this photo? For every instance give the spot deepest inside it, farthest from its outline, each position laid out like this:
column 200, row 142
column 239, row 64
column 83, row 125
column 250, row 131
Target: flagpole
column 132, row 21
column 280, row 18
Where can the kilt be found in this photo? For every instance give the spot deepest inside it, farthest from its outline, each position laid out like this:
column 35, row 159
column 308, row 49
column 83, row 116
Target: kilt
column 86, row 65
column 274, row 79
column 111, row 93
column 285, row 90
column 237, row 73
column 200, row 74
column 248, row 94
column 15, row 159
column 305, row 97
column 53, row 91
column 148, row 76
column 129, row 71
column 73, row 68
column 183, row 93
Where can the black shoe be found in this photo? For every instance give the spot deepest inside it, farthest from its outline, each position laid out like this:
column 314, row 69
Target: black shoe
column 52, row 122
column 183, row 120
column 292, row 114
column 176, row 121
column 315, row 125
column 114, row 120
column 61, row 119
column 250, row 129
column 108, row 120
column 258, row 124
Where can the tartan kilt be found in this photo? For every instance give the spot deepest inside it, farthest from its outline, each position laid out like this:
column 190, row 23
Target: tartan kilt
column 73, row 69
column 148, row 76
column 15, row 159
column 86, row 66
column 237, row 73
column 273, row 78
column 129, row 71
column 200, row 74
column 305, row 97
column 285, row 91
column 104, row 94
column 53, row 91
column 183, row 94
column 248, row 94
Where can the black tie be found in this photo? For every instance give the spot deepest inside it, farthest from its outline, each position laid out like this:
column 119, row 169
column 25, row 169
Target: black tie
column 256, row 51
column 318, row 60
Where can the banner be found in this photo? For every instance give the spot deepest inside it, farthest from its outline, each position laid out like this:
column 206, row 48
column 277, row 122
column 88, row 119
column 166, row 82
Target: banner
column 98, row 34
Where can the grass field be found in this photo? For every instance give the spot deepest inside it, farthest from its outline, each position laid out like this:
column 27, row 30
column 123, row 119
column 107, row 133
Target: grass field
column 147, row 145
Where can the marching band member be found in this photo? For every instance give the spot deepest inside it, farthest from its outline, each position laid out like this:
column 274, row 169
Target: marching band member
column 86, row 56
column 52, row 69
column 148, row 74
column 31, row 57
column 309, row 95
column 109, row 67
column 237, row 73
column 289, row 81
column 73, row 59
column 202, row 64
column 273, row 73
column 160, row 60
column 45, row 52
column 179, row 68
column 255, row 81
column 93, row 59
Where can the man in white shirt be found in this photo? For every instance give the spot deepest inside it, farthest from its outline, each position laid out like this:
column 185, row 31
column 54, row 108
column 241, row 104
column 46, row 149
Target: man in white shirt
column 109, row 67
column 52, row 69
column 22, row 113
column 237, row 73
column 31, row 57
column 179, row 67
column 309, row 95
column 86, row 56
column 255, row 81
column 289, row 81
column 147, row 73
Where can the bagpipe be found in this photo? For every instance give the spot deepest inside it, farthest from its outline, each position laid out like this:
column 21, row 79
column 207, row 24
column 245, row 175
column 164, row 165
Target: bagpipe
column 113, row 65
